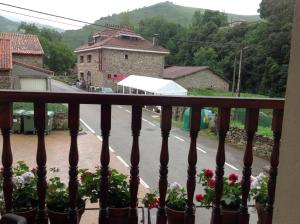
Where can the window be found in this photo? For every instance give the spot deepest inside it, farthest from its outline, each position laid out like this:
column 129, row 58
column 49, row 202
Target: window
column 81, row 59
column 81, row 76
column 109, row 76
column 89, row 58
column 126, row 56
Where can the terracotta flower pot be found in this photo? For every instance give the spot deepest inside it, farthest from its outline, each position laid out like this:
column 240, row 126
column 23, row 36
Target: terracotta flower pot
column 62, row 217
column 260, row 212
column 118, row 215
column 230, row 216
column 29, row 215
column 175, row 217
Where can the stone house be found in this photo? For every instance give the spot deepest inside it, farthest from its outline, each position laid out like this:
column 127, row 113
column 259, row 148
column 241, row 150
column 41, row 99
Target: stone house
column 21, row 63
column 200, row 77
column 116, row 53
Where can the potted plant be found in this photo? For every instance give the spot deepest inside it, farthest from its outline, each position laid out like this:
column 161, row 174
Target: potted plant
column 24, row 196
column 118, row 198
column 231, row 198
column 175, row 203
column 259, row 192
column 57, row 200
column 150, row 201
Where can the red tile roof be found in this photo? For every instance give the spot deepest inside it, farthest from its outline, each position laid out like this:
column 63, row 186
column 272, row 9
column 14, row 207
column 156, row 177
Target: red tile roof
column 5, row 54
column 175, row 72
column 114, row 41
column 34, row 67
column 24, row 43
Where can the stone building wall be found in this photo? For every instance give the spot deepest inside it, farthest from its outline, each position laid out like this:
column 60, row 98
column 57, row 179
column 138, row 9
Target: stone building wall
column 34, row 60
column 5, row 80
column 205, row 79
column 114, row 63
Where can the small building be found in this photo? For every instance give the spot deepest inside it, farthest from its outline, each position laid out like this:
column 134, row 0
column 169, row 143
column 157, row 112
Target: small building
column 200, row 77
column 21, row 63
column 116, row 53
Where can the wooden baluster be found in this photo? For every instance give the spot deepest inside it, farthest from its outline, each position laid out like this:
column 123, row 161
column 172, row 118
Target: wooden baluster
column 7, row 158
column 105, row 158
column 223, row 126
column 276, row 127
column 40, row 113
column 192, row 160
column 165, row 124
column 73, row 123
column 136, row 124
column 251, row 124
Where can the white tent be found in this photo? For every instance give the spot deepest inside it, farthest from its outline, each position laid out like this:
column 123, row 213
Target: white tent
column 153, row 85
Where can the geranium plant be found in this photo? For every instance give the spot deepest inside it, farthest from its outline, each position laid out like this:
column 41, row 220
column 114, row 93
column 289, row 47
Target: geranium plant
column 151, row 200
column 232, row 190
column 90, row 183
column 24, row 195
column 259, row 188
column 58, row 194
column 176, row 197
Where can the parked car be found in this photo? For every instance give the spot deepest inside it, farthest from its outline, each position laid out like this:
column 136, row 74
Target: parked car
column 103, row 90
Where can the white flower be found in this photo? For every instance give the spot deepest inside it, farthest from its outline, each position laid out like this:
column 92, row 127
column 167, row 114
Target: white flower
column 174, row 186
column 18, row 180
column 27, row 176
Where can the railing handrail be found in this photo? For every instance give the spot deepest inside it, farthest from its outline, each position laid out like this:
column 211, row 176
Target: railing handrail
column 128, row 99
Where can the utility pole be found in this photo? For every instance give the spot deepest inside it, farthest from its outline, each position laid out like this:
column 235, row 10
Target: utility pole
column 238, row 90
column 234, row 71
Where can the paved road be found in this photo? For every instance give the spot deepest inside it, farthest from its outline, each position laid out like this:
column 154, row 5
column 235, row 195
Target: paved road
column 150, row 143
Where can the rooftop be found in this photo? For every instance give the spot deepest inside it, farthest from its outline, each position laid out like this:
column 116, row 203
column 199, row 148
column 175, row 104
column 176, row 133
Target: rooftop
column 175, row 72
column 24, row 43
column 5, row 54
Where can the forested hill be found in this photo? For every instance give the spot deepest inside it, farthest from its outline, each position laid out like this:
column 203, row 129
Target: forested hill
column 7, row 25
column 173, row 13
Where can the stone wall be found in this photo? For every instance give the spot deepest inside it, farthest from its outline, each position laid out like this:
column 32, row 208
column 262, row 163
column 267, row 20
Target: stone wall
column 60, row 121
column 262, row 146
column 205, row 79
column 5, row 80
column 34, row 60
column 114, row 63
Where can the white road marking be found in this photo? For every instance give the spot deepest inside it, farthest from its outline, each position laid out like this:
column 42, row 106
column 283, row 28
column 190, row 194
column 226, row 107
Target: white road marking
column 144, row 119
column 127, row 111
column 120, row 107
column 201, row 150
column 154, row 116
column 144, row 183
column 111, row 149
column 151, row 123
column 88, row 127
column 120, row 158
column 180, row 139
column 99, row 137
column 231, row 166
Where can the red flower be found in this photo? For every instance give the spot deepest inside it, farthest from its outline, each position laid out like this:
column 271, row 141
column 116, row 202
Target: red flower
column 208, row 173
column 109, row 173
column 154, row 203
column 211, row 183
column 88, row 172
column 199, row 197
column 232, row 183
column 233, row 177
column 82, row 177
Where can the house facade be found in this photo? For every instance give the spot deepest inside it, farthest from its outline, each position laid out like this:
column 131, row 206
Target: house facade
column 200, row 77
column 21, row 63
column 116, row 53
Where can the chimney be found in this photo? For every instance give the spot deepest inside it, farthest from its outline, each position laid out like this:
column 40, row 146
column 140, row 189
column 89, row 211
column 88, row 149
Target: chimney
column 155, row 39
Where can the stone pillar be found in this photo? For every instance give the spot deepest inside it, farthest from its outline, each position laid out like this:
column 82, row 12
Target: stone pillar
column 287, row 199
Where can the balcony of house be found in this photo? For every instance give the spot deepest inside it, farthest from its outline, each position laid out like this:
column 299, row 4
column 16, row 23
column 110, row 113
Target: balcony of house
column 134, row 213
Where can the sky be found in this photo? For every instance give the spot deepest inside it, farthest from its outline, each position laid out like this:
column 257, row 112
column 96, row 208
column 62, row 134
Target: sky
column 91, row 10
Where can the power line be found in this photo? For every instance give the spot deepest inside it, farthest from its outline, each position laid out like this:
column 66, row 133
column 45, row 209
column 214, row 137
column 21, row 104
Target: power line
column 55, row 21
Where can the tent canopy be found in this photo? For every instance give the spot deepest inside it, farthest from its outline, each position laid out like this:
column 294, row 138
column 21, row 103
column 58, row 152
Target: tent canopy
column 153, row 85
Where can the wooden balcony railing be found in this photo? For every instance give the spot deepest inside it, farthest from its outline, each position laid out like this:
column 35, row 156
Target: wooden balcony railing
column 74, row 100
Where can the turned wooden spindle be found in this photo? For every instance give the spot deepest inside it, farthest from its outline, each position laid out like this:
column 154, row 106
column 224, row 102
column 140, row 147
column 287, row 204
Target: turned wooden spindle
column 40, row 113
column 192, row 160
column 165, row 124
column 251, row 123
column 223, row 126
column 276, row 128
column 136, row 124
column 73, row 124
column 7, row 158
column 105, row 158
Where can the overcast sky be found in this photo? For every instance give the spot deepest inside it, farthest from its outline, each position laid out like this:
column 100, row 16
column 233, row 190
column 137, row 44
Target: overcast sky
column 91, row 10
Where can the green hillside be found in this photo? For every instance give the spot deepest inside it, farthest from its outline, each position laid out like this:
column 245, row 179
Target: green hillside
column 173, row 13
column 7, row 25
